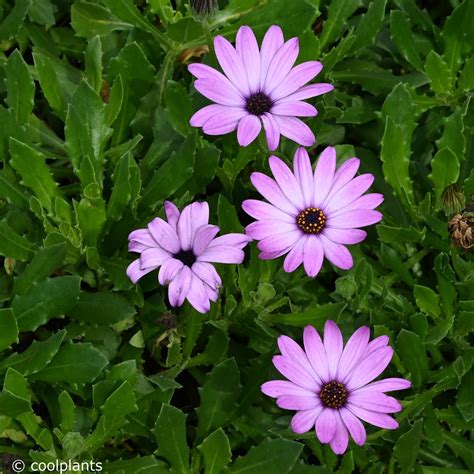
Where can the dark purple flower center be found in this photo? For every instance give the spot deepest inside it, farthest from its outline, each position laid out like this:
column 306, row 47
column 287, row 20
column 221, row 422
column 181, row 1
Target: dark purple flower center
column 333, row 394
column 311, row 220
column 258, row 103
column 186, row 256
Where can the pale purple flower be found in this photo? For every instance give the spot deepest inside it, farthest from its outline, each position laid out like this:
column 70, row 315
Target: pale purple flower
column 311, row 215
column 184, row 248
column 332, row 387
column 258, row 87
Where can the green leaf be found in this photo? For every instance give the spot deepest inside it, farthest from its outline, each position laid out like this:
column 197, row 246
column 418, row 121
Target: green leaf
column 45, row 261
column 170, row 432
column 316, row 315
column 216, row 452
column 31, row 165
column 93, row 63
column 272, row 456
column 102, row 308
column 15, row 398
column 407, row 446
column 49, row 299
column 74, row 363
column 38, row 355
column 42, row 12
column 444, row 170
column 404, row 38
column 369, row 25
column 466, row 79
column 461, row 447
column 20, row 87
column 14, row 245
column 11, row 24
column 411, row 350
column 427, row 300
column 8, row 328
column 219, row 396
column 453, row 132
column 179, row 108
column 464, row 396
column 438, row 72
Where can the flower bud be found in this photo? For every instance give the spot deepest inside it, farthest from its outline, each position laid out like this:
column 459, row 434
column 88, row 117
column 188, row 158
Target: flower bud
column 452, row 200
column 203, row 8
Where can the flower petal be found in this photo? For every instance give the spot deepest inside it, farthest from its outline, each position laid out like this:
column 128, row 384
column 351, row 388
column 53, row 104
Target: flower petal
column 272, row 42
column 225, row 121
column 354, row 425
column 290, row 402
column 370, row 367
column 366, row 202
column 355, row 348
column 142, row 236
column 374, row 401
column 264, row 211
column 287, row 181
column 376, row 343
column 324, row 175
column 168, row 270
column 343, row 175
column 296, row 130
column 270, row 190
column 164, row 234
column 337, row 254
column 377, row 419
column 247, row 48
column 354, row 219
column 197, row 295
column 234, row 240
column 248, row 129
column 222, row 254
column 296, row 78
column 340, row 439
column 326, row 425
column 316, row 353
column 295, row 256
column 294, row 372
column 388, row 385
column 313, row 256
column 219, row 91
column 153, row 257
column 203, row 238
column 278, row 388
column 272, row 131
column 194, row 216
column 304, row 175
column 279, row 242
column 295, row 109
column 345, row 236
column 305, row 420
column 333, row 346
column 179, row 286
column 135, row 272
column 172, row 214
column 309, row 91
column 207, row 273
column 281, row 64
column 349, row 192
column 261, row 229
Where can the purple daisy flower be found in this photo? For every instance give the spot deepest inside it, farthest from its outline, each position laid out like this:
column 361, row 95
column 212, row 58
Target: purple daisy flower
column 258, row 87
column 311, row 215
column 185, row 248
column 331, row 386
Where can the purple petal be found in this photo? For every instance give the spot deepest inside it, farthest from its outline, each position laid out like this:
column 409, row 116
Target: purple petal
column 179, row 286
column 349, row 192
column 304, row 175
column 370, row 367
column 295, row 256
column 313, row 256
column 324, row 175
column 270, row 190
column 194, row 216
column 345, row 236
column 315, row 352
column 222, row 254
column 296, row 373
column 368, row 201
column 343, row 175
column 137, row 247
column 247, row 48
column 355, row 348
column 388, row 385
column 203, row 237
column 377, row 419
column 231, row 64
column 377, row 343
column 374, row 401
column 278, row 388
column 248, row 129
column 261, row 229
column 212, row 293
column 153, row 257
column 215, row 111
column 354, row 219
column 264, row 211
column 224, row 122
column 142, row 236
column 203, row 71
column 326, row 425
column 287, row 181
column 272, row 42
column 294, row 129
column 271, row 255
column 297, row 77
column 337, row 254
column 279, row 242
column 333, row 346
column 219, row 91
column 234, row 240
column 295, row 109
column 289, row 348
column 164, row 234
column 134, row 272
column 197, row 295
column 290, row 402
column 169, row 270
column 305, row 420
column 354, row 425
column 207, row 273
column 307, row 92
column 281, row 64
column 272, row 131
column 172, row 214
column 340, row 439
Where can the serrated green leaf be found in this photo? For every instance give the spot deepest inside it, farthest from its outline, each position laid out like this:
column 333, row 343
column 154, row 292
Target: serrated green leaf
column 444, row 170
column 93, row 63
column 439, row 73
column 403, row 37
column 407, row 446
column 14, row 245
column 12, row 23
column 216, row 452
column 411, row 350
column 464, row 396
column 8, row 328
column 15, row 397
column 369, row 25
column 427, row 300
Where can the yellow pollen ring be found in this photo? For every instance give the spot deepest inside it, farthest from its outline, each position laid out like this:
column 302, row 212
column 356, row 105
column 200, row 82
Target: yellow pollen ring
column 311, row 220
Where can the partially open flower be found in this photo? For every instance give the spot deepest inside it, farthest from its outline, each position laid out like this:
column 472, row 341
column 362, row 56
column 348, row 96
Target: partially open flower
column 331, row 386
column 184, row 248
column 452, row 200
column 461, row 229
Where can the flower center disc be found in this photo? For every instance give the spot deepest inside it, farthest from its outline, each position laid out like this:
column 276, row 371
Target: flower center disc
column 186, row 256
column 333, row 394
column 258, row 104
column 311, row 220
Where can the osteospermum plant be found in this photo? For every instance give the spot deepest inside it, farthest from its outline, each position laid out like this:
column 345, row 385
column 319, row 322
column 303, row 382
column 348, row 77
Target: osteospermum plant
column 310, row 215
column 260, row 87
column 332, row 387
